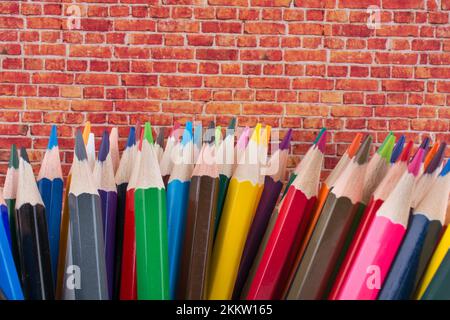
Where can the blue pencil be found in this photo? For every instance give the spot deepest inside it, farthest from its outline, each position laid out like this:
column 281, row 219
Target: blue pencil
column 398, row 148
column 50, row 184
column 9, row 279
column 423, row 233
column 177, row 198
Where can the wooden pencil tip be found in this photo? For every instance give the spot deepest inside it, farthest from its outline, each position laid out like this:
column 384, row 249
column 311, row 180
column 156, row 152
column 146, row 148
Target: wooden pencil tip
column 131, row 141
column 13, row 157
column 198, row 135
column 80, row 149
column 285, row 143
column 386, row 150
column 362, row 156
column 218, row 134
column 24, row 155
column 322, row 142
column 187, row 134
column 351, row 151
column 53, row 139
column 160, row 138
column 446, row 169
column 398, row 148
column 86, row 131
column 148, row 135
column 406, row 152
column 319, row 135
column 175, row 127
column 256, row 135
column 141, row 137
column 425, row 143
column 104, row 147
column 138, row 130
column 437, row 158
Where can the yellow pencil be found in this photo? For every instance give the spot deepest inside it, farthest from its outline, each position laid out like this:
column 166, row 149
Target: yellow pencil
column 242, row 197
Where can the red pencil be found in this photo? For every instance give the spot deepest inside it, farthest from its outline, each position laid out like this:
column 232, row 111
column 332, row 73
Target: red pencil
column 289, row 228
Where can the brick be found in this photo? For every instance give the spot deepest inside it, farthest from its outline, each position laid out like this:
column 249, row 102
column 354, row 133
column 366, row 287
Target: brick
column 215, row 54
column 264, row 28
column 350, row 57
column 305, row 55
column 180, row 81
column 357, row 85
column 90, row 51
column 97, row 79
column 91, row 105
column 313, row 83
column 225, row 82
column 402, row 85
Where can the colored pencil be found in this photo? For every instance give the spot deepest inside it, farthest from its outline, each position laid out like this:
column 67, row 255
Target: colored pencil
column 435, row 283
column 198, row 140
column 398, row 148
column 114, row 148
column 166, row 163
column 65, row 255
column 198, row 238
column 9, row 194
column 430, row 155
column 128, row 281
column 32, row 236
column 104, row 178
column 225, row 154
column 50, row 184
column 424, row 229
column 122, row 178
column 303, row 161
column 177, row 200
column 242, row 198
column 270, row 194
column 90, row 150
column 380, row 195
column 239, row 149
column 4, row 217
column 327, row 185
column 159, row 145
column 151, row 225
column 264, row 145
column 87, row 250
column 328, row 238
column 9, row 279
column 377, row 251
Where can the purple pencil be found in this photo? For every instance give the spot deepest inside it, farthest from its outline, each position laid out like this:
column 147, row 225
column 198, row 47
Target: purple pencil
column 272, row 188
column 104, row 177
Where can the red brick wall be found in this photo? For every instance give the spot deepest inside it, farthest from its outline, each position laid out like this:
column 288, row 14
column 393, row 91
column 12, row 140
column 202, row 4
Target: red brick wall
column 289, row 63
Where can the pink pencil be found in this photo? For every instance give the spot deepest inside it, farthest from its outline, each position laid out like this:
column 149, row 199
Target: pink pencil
column 383, row 238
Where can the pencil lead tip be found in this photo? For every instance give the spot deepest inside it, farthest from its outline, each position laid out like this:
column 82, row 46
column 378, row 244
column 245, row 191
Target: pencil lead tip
column 131, row 141
column 24, row 155
column 445, row 169
column 187, row 134
column 437, row 158
column 232, row 124
column 104, row 147
column 285, row 143
column 160, row 138
column 322, row 142
column 80, row 149
column 13, row 157
column 386, row 150
column 256, row 135
column 86, row 131
column 198, row 135
column 53, row 139
column 406, row 152
column 243, row 139
column 138, row 130
column 218, row 135
column 362, row 156
column 351, row 151
column 425, row 143
column 396, row 152
column 319, row 135
column 148, row 135
column 175, row 127
column 415, row 164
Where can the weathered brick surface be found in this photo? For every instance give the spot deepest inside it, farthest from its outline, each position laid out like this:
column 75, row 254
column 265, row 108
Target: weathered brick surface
column 290, row 63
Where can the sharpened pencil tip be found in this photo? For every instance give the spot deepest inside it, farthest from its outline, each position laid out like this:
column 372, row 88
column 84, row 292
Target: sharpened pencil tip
column 160, row 138
column 256, row 135
column 396, row 152
column 53, row 139
column 351, row 151
column 386, row 150
column 362, row 156
column 446, row 169
column 437, row 159
column 198, row 135
column 104, row 147
column 243, row 139
column 187, row 134
column 148, row 134
column 322, row 142
column 13, row 157
column 285, row 143
column 138, row 130
column 80, row 149
column 218, row 134
column 232, row 124
column 131, row 141
column 319, row 135
column 415, row 164
column 175, row 127
column 24, row 155
column 406, row 152
column 86, row 131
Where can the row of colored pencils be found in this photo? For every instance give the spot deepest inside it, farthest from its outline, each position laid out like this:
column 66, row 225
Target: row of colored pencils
column 202, row 217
